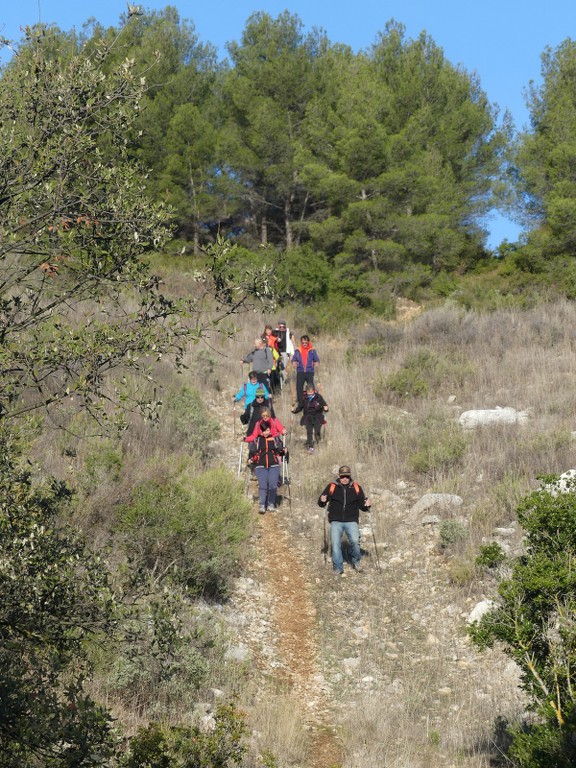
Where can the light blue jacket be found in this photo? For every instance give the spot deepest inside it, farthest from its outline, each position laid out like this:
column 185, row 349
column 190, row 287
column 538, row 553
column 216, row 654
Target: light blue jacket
column 248, row 391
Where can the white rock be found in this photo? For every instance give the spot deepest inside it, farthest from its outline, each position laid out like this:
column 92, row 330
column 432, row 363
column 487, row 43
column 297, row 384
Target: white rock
column 350, row 665
column 238, row 653
column 479, row 610
column 566, row 484
column 444, row 501
column 498, row 415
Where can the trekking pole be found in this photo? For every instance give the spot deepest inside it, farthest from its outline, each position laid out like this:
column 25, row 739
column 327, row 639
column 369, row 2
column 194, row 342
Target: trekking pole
column 234, row 418
column 375, row 546
column 286, row 479
column 325, row 540
column 240, row 459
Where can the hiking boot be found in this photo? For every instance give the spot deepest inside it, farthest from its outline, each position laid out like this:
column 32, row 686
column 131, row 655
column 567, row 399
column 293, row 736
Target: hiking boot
column 310, row 449
column 338, row 573
column 262, row 510
column 358, row 568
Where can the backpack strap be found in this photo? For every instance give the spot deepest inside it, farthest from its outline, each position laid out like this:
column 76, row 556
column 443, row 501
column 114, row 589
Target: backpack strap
column 333, row 485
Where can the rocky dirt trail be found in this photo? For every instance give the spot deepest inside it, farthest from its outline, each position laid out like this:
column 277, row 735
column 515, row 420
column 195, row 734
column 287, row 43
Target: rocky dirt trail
column 277, row 596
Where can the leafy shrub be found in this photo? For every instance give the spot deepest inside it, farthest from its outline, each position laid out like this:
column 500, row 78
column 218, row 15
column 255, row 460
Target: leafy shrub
column 491, row 555
column 451, row 532
column 189, row 531
column 164, row 746
column 164, row 659
column 534, row 622
column 332, row 316
column 103, row 465
column 304, row 275
column 440, row 447
column 56, row 597
column 408, row 382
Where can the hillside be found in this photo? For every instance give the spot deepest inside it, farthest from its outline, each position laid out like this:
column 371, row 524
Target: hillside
column 376, row 668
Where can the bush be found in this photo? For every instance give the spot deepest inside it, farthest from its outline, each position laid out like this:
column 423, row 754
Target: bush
column 534, row 622
column 56, row 599
column 190, row 532
column 163, row 746
column 191, row 425
column 408, row 382
column 451, row 532
column 441, row 447
column 164, row 658
column 103, row 466
column 424, row 370
column 491, row 555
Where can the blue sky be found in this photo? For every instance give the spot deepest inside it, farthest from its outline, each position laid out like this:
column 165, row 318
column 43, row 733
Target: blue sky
column 500, row 40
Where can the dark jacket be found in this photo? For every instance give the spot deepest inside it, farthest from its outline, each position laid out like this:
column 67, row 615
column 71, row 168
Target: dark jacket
column 269, row 452
column 313, row 408
column 252, row 413
column 344, row 503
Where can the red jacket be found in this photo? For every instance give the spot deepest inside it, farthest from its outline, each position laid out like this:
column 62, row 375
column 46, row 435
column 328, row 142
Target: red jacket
column 276, row 429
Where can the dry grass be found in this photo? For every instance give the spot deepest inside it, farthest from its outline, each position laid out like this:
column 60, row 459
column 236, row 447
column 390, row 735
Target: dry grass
column 428, row 715
column 434, row 707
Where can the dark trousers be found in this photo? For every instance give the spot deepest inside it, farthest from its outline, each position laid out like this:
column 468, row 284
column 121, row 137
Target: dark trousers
column 263, row 378
column 303, row 378
column 313, row 430
column 268, row 485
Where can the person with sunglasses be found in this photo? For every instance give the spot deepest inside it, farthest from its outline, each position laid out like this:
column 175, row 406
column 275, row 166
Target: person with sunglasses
column 254, row 410
column 345, row 498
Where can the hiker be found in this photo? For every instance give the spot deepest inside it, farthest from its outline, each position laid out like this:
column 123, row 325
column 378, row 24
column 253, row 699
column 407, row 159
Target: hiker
column 275, row 375
column 266, row 461
column 345, row 499
column 262, row 361
column 248, row 390
column 305, row 361
column 285, row 342
column 253, row 413
column 314, row 407
column 266, row 421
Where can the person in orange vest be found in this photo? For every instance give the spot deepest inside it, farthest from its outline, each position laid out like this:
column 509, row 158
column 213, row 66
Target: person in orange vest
column 272, row 341
column 345, row 498
column 305, row 361
column 267, row 461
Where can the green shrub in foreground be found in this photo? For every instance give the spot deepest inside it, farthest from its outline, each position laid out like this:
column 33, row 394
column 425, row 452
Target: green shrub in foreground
column 163, row 746
column 534, row 623
column 188, row 530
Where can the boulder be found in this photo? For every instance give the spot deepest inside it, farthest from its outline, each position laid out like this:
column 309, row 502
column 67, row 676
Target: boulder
column 439, row 501
column 479, row 610
column 498, row 415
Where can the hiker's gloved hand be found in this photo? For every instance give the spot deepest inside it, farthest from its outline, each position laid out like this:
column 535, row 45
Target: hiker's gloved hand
column 323, row 498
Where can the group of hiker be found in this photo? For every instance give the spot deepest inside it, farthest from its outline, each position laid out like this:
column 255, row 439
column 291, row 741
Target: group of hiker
column 275, row 360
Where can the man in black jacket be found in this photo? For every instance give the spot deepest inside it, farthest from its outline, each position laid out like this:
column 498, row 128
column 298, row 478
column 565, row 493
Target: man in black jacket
column 345, row 499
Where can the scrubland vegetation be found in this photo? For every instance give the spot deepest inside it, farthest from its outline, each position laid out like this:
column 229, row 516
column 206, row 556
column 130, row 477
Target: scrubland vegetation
column 148, row 229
